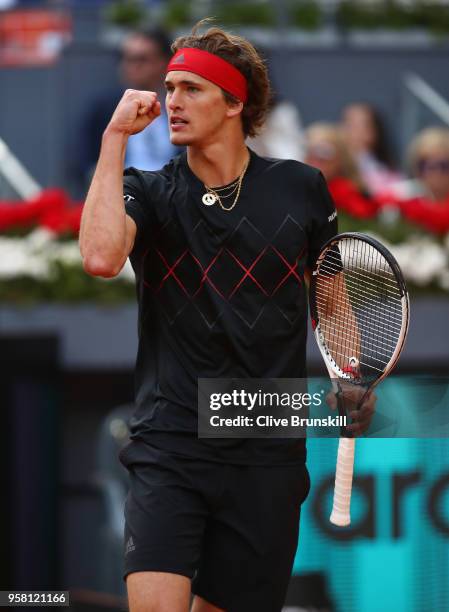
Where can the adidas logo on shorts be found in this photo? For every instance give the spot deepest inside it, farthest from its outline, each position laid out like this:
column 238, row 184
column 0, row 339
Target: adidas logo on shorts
column 130, row 546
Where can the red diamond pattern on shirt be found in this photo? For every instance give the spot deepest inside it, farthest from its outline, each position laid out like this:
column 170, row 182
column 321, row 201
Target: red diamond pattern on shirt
column 246, row 272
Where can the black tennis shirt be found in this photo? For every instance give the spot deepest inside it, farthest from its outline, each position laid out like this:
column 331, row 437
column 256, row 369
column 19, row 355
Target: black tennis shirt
column 221, row 294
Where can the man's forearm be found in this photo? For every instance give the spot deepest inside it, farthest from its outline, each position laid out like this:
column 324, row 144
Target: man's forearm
column 103, row 240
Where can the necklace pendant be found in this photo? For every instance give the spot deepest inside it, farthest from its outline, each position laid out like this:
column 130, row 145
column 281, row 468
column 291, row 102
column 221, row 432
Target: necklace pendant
column 209, row 199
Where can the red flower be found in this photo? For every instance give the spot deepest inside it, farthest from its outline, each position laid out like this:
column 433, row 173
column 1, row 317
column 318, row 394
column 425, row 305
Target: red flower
column 428, row 214
column 431, row 215
column 52, row 209
column 349, row 199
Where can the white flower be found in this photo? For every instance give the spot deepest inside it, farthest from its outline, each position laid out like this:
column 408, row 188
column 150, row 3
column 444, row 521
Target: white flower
column 67, row 253
column 36, row 254
column 20, row 258
column 39, row 238
column 421, row 260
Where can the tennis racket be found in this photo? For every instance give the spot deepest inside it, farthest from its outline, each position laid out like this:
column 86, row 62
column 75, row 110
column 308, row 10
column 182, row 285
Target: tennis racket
column 360, row 315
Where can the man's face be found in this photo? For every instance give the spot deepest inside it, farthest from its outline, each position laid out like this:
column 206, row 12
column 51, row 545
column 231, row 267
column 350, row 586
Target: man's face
column 196, row 109
column 142, row 64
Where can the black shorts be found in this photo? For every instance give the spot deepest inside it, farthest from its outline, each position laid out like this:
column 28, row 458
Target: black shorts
column 232, row 529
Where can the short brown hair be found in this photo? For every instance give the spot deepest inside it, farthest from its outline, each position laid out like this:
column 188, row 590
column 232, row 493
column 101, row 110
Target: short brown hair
column 240, row 53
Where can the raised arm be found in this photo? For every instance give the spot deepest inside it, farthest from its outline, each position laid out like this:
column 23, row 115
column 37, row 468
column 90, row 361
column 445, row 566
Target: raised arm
column 107, row 233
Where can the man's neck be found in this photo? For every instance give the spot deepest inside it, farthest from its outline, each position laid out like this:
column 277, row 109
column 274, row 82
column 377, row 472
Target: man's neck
column 219, row 163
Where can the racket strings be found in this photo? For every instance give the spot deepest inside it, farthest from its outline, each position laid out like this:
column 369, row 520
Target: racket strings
column 394, row 327
column 362, row 288
column 333, row 263
column 359, row 304
column 384, row 348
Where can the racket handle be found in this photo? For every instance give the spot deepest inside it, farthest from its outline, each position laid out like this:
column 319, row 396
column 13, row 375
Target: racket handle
column 341, row 515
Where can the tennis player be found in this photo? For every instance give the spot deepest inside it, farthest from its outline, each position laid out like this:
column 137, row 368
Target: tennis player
column 220, row 240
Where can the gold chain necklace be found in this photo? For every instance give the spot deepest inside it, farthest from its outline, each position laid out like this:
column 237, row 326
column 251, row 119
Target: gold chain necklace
column 212, row 195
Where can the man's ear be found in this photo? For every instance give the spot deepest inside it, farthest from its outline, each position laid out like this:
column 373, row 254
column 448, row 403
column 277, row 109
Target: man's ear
column 234, row 108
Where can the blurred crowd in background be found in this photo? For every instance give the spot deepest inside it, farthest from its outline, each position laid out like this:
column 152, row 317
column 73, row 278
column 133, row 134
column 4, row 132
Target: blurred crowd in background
column 355, row 154
column 395, row 192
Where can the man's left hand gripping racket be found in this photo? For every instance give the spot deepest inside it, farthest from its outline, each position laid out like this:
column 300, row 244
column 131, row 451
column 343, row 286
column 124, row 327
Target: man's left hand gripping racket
column 360, row 315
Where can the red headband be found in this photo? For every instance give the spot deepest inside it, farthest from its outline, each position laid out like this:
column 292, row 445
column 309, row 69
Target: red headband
column 212, row 68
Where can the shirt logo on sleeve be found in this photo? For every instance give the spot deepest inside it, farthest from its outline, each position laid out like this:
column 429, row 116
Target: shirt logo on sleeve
column 332, row 216
column 128, row 198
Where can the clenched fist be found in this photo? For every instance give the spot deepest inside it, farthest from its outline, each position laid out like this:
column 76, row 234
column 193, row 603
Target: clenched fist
column 135, row 111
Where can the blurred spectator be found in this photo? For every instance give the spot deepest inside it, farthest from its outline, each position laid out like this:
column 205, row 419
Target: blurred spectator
column 282, row 136
column 144, row 57
column 326, row 150
column 365, row 135
column 428, row 157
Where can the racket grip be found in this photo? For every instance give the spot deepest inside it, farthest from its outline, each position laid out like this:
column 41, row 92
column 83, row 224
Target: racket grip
column 341, row 515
